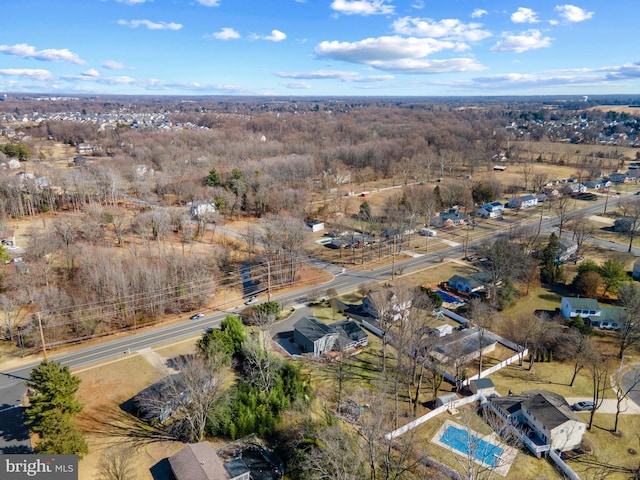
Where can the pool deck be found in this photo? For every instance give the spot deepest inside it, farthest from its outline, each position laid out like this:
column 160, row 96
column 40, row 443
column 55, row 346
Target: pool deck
column 506, row 459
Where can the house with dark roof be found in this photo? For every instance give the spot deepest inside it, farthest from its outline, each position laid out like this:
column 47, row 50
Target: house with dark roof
column 544, row 415
column 451, row 218
column 313, row 336
column 351, row 334
column 474, row 283
column 199, row 461
column 493, row 209
column 161, row 400
column 464, row 345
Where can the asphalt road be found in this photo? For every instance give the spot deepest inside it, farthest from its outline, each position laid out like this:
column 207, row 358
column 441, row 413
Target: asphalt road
column 14, row 439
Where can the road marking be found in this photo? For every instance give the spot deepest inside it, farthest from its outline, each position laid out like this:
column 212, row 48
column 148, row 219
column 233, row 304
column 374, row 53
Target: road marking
column 10, row 408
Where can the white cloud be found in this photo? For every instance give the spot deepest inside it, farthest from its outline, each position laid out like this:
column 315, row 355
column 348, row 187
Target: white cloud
column 573, row 14
column 381, row 48
column 133, row 2
column 48, row 55
column 418, row 66
column 226, row 33
column 448, row 28
column 297, row 85
column 209, row 3
column 150, row 25
column 530, row 40
column 32, row 73
column 276, row 36
column 418, row 4
column 404, row 55
column 335, row 75
column 362, row 7
column 113, row 65
column 524, row 15
column 91, row 73
column 478, row 12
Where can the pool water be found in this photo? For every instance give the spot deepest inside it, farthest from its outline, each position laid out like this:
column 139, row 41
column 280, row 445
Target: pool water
column 448, row 298
column 481, row 450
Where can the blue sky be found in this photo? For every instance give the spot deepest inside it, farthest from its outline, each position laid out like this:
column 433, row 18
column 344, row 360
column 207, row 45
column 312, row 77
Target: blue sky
column 320, row 47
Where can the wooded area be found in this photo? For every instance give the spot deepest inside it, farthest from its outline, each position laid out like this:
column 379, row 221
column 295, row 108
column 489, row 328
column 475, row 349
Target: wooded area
column 111, row 179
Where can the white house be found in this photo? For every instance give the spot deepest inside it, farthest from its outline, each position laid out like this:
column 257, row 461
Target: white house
column 566, row 248
column 608, row 318
column 547, row 415
column 201, row 208
column 585, row 307
column 494, row 209
column 526, row 201
column 398, row 308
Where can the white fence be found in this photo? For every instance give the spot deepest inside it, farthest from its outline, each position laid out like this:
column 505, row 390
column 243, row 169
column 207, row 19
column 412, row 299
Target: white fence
column 431, row 414
column 497, row 367
column 566, row 469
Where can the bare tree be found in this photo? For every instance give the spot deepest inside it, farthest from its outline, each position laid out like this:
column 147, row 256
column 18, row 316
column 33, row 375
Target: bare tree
column 624, row 383
column 117, row 463
column 630, row 211
column 583, row 231
column 629, row 332
column 261, row 367
column 599, row 367
column 562, row 208
column 482, row 314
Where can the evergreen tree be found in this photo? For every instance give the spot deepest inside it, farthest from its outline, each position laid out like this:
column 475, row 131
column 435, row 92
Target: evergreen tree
column 53, row 405
column 213, row 179
column 548, row 265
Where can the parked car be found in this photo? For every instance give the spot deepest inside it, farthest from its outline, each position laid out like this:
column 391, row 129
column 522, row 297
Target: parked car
column 251, row 300
column 585, row 406
column 196, row 316
column 428, row 232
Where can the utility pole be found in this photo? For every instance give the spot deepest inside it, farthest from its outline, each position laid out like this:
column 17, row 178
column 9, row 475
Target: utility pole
column 606, row 200
column 268, row 281
column 540, row 224
column 44, row 347
column 393, row 259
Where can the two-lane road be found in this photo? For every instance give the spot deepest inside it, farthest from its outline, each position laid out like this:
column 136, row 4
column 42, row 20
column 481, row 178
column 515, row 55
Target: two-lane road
column 12, row 382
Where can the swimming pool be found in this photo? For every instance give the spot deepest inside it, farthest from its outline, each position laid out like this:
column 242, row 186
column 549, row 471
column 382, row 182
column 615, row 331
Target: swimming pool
column 483, row 451
column 449, row 298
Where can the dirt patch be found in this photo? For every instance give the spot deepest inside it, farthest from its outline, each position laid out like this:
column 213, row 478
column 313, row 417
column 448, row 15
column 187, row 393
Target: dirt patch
column 156, row 360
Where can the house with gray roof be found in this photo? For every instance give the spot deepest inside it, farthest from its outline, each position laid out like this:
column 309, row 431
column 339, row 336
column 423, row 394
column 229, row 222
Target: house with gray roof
column 313, row 336
column 351, row 334
column 544, row 415
column 199, row 461
column 318, row 338
column 476, row 282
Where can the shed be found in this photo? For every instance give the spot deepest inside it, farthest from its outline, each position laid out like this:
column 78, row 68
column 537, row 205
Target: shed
column 442, row 330
column 483, row 386
column 316, row 225
column 446, row 399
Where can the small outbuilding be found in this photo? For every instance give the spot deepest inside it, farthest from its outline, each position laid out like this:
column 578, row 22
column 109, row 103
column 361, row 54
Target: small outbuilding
column 483, row 386
column 446, row 399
